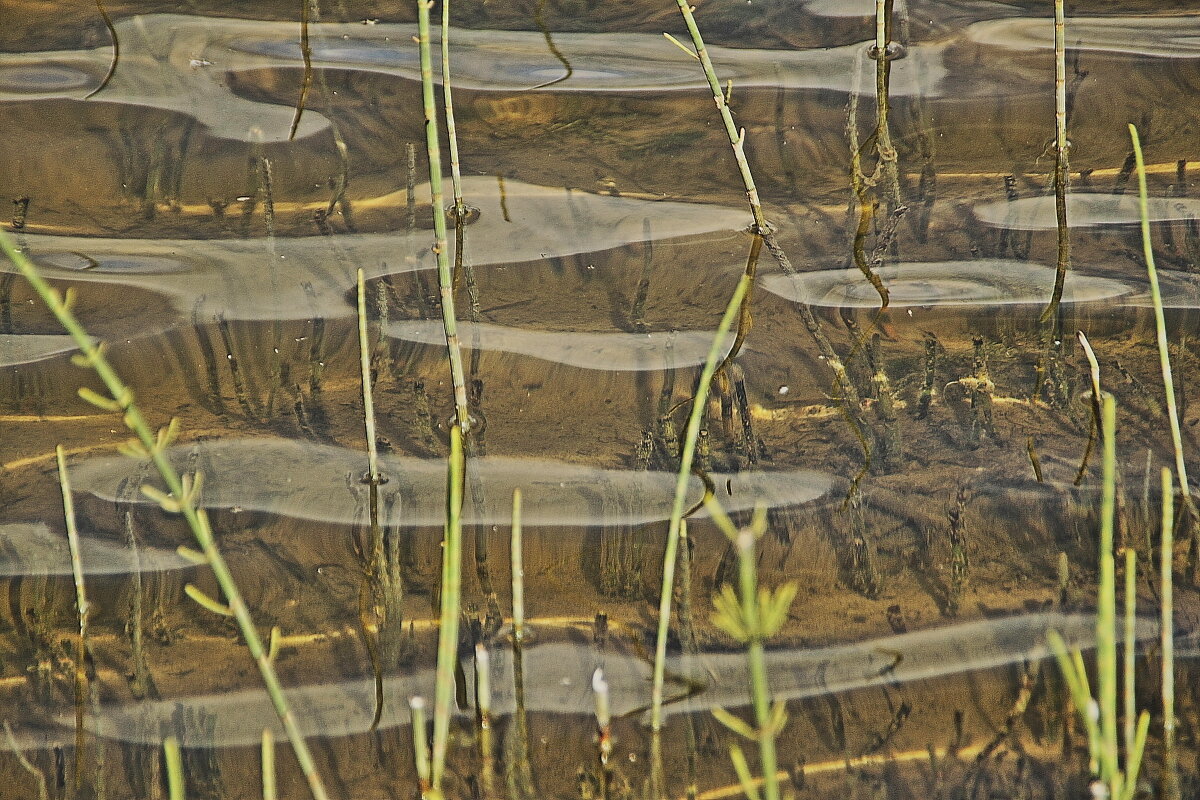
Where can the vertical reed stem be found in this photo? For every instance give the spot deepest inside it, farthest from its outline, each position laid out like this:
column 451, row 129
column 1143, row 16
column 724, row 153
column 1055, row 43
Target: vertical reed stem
column 1167, row 624
column 269, row 791
column 483, row 699
column 1129, row 654
column 736, row 140
column 174, row 761
column 1160, row 325
column 420, row 744
column 460, row 209
column 447, row 657
column 82, row 651
column 756, row 655
column 364, row 357
column 677, row 509
column 1061, row 168
column 440, row 247
column 1106, row 617
column 518, row 570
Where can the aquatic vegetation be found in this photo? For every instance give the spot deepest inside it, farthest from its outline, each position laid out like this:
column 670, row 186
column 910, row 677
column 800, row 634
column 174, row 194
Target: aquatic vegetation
column 1084, row 210
column 615, row 352
column 307, row 277
column 558, row 679
column 983, row 282
column 320, row 482
column 33, row 548
column 752, row 615
column 180, row 492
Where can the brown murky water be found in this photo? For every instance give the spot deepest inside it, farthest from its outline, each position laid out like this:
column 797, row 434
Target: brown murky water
column 936, row 491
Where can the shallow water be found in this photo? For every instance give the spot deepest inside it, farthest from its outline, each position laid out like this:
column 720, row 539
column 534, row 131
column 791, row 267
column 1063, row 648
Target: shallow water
column 925, row 468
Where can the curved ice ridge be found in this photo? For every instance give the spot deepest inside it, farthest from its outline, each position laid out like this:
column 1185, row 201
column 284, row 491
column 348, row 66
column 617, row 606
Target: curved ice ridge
column 615, row 352
column 322, row 483
column 1084, row 210
column 312, row 276
column 1157, row 37
column 32, row 548
column 182, row 63
column 981, row 282
column 558, row 680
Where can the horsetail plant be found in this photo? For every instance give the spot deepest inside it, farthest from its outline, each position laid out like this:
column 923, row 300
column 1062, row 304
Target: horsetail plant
column 180, row 497
column 1099, row 713
column 1167, row 625
column 737, row 139
column 451, row 600
column 440, row 246
column 681, row 484
column 82, row 652
column 751, row 615
column 174, row 761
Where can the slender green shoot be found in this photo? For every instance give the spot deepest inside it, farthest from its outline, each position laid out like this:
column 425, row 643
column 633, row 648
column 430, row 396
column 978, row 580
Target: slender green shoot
column 1106, row 622
column 1160, row 325
column 81, row 603
column 174, row 761
column 518, row 570
column 736, row 139
column 447, row 657
column 483, row 701
column 1099, row 713
column 364, row 357
column 181, row 496
column 681, row 487
column 1167, row 627
column 269, row 788
column 1129, row 652
column 440, row 246
column 752, row 615
column 420, row 745
column 39, row 777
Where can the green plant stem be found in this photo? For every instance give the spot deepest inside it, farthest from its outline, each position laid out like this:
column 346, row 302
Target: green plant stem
column 440, row 246
column 1160, row 325
column 364, row 357
column 81, row 602
column 1106, row 617
column 460, row 209
column 269, row 790
column 420, row 744
column 677, row 508
column 174, row 761
column 736, row 140
column 756, row 657
column 1129, row 653
column 196, row 518
column 518, row 570
column 1167, row 625
column 447, row 657
column 483, row 701
column 1061, row 168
